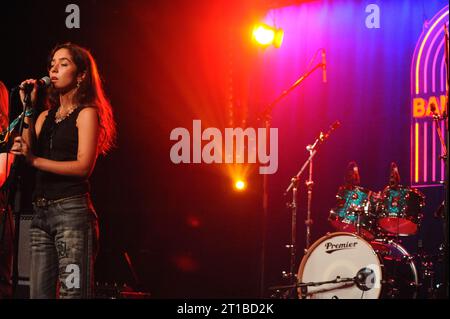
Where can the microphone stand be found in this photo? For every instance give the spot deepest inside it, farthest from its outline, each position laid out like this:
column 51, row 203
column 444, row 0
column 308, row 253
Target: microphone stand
column 266, row 116
column 304, row 286
column 14, row 191
column 293, row 205
column 445, row 158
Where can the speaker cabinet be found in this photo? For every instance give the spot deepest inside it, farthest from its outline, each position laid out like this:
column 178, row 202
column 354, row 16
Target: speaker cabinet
column 24, row 249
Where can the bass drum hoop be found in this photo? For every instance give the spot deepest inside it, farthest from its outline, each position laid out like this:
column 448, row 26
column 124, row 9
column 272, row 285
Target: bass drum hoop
column 326, row 237
column 405, row 253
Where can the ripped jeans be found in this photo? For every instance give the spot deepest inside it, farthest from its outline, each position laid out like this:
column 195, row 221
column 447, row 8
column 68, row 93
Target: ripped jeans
column 64, row 243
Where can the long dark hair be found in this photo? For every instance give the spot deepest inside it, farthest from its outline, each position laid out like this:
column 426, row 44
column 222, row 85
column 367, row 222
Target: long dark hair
column 89, row 93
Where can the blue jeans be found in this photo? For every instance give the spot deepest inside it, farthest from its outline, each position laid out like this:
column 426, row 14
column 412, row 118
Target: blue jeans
column 64, row 244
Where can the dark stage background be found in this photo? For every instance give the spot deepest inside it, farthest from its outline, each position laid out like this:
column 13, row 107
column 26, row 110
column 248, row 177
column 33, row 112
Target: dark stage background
column 186, row 231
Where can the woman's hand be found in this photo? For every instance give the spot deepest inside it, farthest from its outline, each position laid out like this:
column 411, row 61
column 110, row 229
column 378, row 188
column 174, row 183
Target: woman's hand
column 33, row 92
column 20, row 147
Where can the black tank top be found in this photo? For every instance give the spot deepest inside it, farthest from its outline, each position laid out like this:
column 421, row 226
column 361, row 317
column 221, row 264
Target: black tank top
column 59, row 142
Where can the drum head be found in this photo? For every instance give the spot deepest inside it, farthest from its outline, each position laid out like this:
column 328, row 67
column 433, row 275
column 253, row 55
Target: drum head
column 341, row 255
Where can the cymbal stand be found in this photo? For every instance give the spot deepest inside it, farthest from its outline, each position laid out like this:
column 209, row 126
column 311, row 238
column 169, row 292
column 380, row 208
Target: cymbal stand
column 293, row 204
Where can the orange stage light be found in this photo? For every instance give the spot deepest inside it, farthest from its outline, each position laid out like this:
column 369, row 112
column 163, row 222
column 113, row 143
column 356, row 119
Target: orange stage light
column 266, row 35
column 240, row 185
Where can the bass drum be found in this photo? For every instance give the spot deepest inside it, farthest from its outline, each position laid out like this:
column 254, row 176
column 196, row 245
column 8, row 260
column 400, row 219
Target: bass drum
column 382, row 269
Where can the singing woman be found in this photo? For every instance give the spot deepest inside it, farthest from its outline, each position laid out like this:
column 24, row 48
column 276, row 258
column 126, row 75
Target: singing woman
column 63, row 145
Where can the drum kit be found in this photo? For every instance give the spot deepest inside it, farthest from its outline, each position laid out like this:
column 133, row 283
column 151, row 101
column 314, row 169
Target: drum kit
column 364, row 259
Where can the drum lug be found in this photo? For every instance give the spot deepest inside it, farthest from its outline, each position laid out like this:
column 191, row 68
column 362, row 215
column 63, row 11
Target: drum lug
column 290, row 205
column 288, row 275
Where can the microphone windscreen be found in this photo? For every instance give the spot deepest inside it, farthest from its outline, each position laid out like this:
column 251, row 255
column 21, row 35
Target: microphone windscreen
column 46, row 81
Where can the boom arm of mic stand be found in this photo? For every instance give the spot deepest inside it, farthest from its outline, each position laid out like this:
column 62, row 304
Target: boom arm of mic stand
column 300, row 172
column 268, row 109
column 337, row 280
column 313, row 149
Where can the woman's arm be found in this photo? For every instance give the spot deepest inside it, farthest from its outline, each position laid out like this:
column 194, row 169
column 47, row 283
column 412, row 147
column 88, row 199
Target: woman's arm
column 88, row 130
column 39, row 122
column 31, row 134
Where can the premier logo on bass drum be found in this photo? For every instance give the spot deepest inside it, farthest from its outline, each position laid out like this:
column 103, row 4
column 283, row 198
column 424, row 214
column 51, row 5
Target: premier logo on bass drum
column 331, row 247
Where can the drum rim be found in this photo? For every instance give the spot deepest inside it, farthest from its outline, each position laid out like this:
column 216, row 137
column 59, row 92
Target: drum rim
column 414, row 190
column 384, row 230
column 405, row 253
column 353, row 187
column 330, row 235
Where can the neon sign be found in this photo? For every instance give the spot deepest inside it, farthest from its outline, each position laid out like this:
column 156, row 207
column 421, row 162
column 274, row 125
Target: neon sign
column 428, row 95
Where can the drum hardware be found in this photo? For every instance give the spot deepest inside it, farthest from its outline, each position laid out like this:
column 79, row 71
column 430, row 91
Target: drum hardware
column 266, row 116
column 444, row 141
column 427, row 264
column 293, row 245
column 441, row 254
column 359, row 213
column 312, row 149
column 439, row 213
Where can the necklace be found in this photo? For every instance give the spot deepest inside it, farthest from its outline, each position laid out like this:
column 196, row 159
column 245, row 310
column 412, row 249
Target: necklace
column 59, row 116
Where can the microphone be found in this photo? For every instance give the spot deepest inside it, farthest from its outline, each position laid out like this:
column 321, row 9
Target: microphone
column 41, row 83
column 324, row 67
column 394, row 179
column 365, row 279
column 335, row 125
column 353, row 178
column 356, row 178
column 323, row 137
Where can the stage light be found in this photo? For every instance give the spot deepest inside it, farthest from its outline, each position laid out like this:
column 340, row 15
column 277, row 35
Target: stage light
column 266, row 35
column 240, row 185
